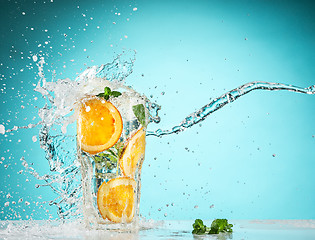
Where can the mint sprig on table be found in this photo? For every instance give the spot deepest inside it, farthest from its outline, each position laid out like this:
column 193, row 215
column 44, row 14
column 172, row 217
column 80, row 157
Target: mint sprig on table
column 108, row 93
column 217, row 226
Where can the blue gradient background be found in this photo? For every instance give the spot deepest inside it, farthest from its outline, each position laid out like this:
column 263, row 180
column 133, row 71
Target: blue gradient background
column 253, row 159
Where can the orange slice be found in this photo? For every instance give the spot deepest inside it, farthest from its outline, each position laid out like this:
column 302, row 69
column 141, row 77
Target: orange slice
column 115, row 199
column 99, row 125
column 133, row 152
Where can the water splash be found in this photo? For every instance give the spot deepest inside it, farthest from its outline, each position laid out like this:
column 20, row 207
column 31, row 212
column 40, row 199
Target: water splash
column 58, row 139
column 57, row 136
column 225, row 99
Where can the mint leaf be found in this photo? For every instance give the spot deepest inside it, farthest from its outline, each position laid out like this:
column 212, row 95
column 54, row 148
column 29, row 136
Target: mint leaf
column 139, row 112
column 119, row 148
column 107, row 91
column 217, row 226
column 100, row 95
column 199, row 227
column 115, row 94
column 220, row 225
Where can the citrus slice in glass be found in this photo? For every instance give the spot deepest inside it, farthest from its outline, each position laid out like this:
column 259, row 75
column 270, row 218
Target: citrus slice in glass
column 99, row 125
column 115, row 199
column 132, row 153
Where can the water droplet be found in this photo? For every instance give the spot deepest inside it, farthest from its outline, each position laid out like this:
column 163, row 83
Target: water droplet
column 2, row 129
column 34, row 139
column 35, row 58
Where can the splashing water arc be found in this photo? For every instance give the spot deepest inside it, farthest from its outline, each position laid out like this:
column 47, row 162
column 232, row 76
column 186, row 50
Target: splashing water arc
column 60, row 145
column 225, row 99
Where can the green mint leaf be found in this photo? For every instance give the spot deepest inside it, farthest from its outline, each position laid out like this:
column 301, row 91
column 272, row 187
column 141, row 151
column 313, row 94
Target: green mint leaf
column 115, row 94
column 199, row 227
column 107, row 91
column 112, row 158
column 98, row 159
column 100, row 95
column 139, row 112
column 220, row 225
column 112, row 152
column 119, row 148
column 214, row 230
column 198, row 223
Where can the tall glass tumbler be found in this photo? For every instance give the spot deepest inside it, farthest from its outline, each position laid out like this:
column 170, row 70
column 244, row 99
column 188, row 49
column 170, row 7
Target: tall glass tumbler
column 111, row 134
